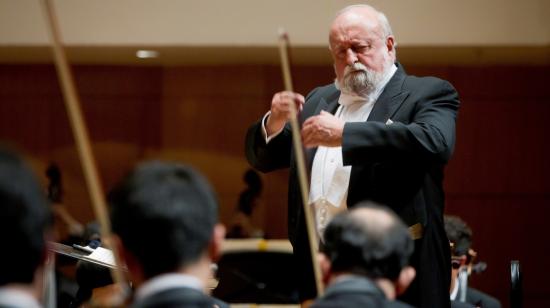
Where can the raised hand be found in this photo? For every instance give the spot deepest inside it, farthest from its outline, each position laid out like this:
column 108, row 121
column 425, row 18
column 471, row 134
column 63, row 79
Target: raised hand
column 280, row 110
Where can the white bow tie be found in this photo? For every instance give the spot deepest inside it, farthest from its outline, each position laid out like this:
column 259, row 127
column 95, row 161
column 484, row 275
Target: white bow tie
column 349, row 99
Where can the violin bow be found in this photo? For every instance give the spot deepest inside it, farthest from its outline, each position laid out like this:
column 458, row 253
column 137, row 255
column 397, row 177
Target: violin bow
column 300, row 161
column 80, row 134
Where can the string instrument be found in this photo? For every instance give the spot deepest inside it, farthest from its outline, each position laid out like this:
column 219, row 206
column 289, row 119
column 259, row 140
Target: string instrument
column 82, row 140
column 300, row 162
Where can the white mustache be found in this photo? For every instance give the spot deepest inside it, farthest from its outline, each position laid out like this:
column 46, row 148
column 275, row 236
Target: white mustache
column 355, row 67
column 358, row 79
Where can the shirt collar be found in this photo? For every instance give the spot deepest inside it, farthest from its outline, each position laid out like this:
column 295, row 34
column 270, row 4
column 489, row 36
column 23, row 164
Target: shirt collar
column 351, row 282
column 13, row 297
column 349, row 99
column 168, row 281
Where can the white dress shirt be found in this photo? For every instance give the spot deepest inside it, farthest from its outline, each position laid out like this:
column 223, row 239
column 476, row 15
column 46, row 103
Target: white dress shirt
column 329, row 177
column 454, row 292
column 13, row 297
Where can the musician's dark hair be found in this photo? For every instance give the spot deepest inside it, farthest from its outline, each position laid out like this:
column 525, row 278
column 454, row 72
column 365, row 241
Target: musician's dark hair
column 164, row 214
column 459, row 234
column 25, row 218
column 357, row 244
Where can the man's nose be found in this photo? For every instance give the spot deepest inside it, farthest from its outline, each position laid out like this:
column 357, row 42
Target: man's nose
column 351, row 56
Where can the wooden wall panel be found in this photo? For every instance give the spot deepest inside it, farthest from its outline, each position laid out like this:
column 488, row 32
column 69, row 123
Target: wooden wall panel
column 497, row 179
column 502, row 148
column 119, row 106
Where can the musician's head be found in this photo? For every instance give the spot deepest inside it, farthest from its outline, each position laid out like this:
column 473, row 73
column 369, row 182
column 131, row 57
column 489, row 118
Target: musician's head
column 459, row 234
column 166, row 216
column 362, row 47
column 25, row 221
column 369, row 240
column 460, row 238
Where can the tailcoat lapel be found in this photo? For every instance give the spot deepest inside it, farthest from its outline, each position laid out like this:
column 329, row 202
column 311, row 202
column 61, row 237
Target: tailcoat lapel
column 385, row 107
column 391, row 98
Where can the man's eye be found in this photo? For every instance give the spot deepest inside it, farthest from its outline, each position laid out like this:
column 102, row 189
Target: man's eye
column 362, row 48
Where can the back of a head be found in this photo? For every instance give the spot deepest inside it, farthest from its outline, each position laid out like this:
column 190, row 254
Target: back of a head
column 24, row 220
column 459, row 234
column 368, row 240
column 164, row 214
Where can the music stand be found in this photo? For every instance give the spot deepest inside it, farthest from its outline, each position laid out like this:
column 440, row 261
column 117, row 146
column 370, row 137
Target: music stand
column 257, row 271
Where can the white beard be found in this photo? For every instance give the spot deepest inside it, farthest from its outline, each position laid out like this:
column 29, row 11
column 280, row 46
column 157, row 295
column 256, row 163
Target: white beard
column 360, row 80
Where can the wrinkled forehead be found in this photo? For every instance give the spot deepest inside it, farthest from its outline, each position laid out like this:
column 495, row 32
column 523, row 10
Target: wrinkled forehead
column 355, row 25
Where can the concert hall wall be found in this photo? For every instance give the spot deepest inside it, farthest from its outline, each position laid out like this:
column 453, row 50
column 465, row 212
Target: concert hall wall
column 496, row 181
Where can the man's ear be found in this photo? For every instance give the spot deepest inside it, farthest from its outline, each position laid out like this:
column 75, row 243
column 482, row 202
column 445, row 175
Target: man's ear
column 390, row 45
column 404, row 280
column 215, row 246
column 325, row 266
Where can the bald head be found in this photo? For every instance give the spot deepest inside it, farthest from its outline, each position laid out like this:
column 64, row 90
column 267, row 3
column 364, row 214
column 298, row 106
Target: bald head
column 375, row 220
column 368, row 240
column 364, row 15
column 362, row 47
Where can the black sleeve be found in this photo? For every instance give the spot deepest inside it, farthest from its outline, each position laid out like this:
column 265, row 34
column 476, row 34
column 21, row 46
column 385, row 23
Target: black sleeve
column 274, row 155
column 429, row 132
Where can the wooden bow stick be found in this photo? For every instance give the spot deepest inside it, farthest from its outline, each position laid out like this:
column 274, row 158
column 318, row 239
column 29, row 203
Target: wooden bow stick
column 80, row 134
column 300, row 162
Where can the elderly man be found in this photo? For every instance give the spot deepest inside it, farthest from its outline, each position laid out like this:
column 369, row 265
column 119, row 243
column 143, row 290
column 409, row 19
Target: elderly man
column 376, row 133
column 166, row 217
column 365, row 259
column 25, row 222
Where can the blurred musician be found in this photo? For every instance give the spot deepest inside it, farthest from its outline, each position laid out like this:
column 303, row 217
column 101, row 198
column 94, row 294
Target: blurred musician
column 166, row 218
column 365, row 259
column 25, row 221
column 462, row 261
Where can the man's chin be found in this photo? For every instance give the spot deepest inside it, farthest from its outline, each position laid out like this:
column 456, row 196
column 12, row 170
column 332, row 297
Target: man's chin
column 349, row 90
column 362, row 92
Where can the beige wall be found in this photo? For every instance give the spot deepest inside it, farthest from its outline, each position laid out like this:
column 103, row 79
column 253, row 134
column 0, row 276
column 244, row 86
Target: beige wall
column 255, row 22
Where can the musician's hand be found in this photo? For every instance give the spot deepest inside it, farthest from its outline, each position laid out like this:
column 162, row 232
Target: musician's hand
column 280, row 110
column 322, row 130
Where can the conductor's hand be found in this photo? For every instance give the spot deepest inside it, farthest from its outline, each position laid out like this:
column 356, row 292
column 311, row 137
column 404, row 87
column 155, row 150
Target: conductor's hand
column 322, row 130
column 280, row 110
